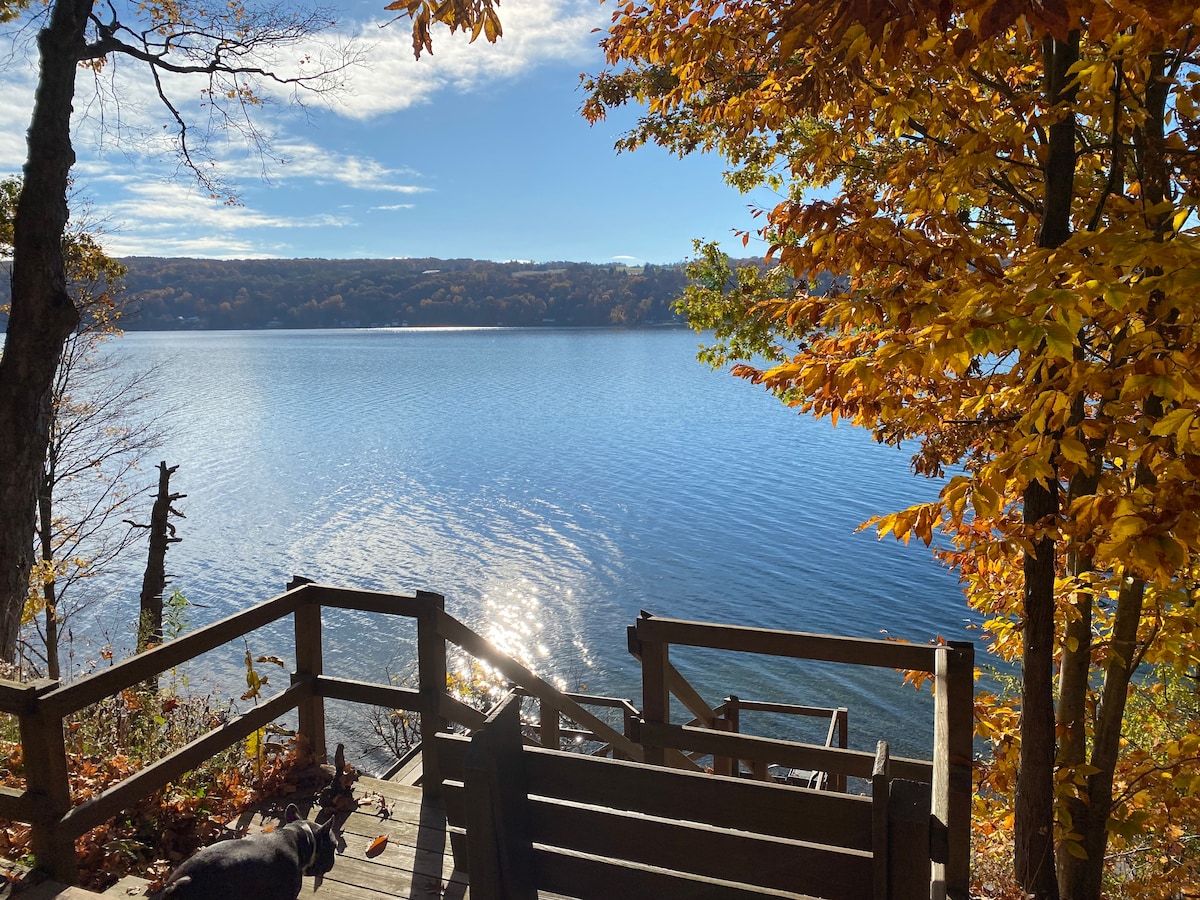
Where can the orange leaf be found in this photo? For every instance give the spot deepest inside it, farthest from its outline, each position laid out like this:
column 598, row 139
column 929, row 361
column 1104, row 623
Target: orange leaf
column 377, row 846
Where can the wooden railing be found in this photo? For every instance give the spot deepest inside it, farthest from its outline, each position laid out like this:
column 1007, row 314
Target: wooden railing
column 538, row 821
column 948, row 772
column 729, row 718
column 42, row 707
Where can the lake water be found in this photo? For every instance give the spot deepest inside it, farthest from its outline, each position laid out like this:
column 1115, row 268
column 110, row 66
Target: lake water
column 550, row 483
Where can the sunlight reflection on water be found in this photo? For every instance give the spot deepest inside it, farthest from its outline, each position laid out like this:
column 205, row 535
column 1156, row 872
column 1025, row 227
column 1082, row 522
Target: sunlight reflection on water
column 550, row 484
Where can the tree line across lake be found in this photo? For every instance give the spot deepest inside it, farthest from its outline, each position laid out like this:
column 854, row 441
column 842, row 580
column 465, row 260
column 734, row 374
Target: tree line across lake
column 165, row 294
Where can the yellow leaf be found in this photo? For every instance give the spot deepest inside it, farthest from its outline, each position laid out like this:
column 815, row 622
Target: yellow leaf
column 1176, row 421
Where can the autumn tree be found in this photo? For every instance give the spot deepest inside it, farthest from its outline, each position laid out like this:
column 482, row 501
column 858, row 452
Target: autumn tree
column 95, row 443
column 228, row 49
column 1001, row 196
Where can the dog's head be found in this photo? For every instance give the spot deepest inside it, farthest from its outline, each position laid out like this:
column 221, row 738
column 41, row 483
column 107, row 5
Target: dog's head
column 317, row 857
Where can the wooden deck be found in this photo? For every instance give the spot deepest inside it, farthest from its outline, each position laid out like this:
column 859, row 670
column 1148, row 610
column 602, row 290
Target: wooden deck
column 415, row 864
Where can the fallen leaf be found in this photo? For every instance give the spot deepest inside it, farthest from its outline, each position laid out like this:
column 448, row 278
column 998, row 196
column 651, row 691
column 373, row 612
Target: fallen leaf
column 377, row 846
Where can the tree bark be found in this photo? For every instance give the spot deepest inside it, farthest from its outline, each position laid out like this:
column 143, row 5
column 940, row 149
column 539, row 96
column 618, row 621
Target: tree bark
column 1033, row 821
column 154, row 582
column 49, row 588
column 1073, row 685
column 42, row 315
column 1082, row 878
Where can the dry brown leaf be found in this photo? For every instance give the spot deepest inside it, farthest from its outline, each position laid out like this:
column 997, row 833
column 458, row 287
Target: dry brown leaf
column 377, row 846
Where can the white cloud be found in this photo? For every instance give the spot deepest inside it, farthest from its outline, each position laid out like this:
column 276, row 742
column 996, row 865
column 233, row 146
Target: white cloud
column 173, row 219
column 535, row 31
column 125, row 152
column 305, row 160
column 16, row 102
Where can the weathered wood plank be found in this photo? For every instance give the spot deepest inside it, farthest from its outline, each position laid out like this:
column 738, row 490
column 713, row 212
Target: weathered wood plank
column 431, row 675
column 954, row 724
column 769, row 809
column 452, row 749
column 702, row 851
column 793, row 754
column 794, row 644
column 93, row 688
column 367, row 601
column 16, row 805
column 497, row 819
column 18, row 697
column 791, row 709
column 880, row 808
column 909, row 867
column 588, row 878
column 309, row 665
column 416, row 862
column 385, row 695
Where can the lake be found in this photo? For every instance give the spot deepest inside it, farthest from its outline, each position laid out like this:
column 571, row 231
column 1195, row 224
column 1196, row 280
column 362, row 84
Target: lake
column 550, row 483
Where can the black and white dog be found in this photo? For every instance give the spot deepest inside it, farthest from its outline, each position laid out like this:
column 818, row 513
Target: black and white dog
column 266, row 866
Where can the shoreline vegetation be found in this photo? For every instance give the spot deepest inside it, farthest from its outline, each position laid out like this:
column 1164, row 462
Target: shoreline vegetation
column 209, row 294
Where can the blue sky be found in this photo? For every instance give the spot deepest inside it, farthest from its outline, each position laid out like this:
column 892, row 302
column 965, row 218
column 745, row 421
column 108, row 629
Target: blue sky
column 478, row 151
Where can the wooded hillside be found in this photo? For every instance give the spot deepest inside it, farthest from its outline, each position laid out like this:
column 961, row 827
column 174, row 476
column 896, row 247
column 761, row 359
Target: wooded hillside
column 329, row 293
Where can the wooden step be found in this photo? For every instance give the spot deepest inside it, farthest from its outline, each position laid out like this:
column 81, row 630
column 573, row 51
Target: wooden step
column 129, row 886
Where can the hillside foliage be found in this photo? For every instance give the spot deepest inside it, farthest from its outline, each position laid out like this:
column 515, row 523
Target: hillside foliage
column 166, row 294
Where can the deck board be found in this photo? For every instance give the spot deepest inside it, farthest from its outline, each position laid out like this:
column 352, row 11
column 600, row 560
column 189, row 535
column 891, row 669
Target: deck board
column 415, row 864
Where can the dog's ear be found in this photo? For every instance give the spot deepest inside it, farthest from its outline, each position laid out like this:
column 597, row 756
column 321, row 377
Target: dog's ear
column 292, row 814
column 326, row 827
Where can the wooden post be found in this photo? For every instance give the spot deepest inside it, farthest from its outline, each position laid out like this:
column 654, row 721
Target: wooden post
column 628, row 723
column 548, row 723
column 837, row 782
column 309, row 666
column 499, row 847
column 656, row 701
column 46, row 779
column 431, row 680
column 723, row 765
column 953, row 735
column 879, row 821
column 909, row 867
column 733, row 712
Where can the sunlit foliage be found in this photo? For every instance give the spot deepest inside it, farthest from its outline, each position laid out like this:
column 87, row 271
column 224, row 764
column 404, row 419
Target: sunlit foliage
column 1001, row 196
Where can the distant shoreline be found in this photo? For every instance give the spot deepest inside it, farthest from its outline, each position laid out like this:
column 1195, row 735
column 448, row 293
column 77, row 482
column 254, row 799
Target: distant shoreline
column 405, row 329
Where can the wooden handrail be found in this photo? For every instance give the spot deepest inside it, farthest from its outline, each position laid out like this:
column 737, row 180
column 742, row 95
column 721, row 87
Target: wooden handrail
column 794, row 644
column 43, row 706
column 794, row 754
column 457, row 633
column 71, row 698
column 16, row 805
column 141, row 784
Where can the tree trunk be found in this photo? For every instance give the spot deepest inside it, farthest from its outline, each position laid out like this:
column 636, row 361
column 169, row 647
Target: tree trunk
column 154, row 582
column 1082, row 878
column 1033, row 821
column 49, row 589
column 1073, row 685
column 42, row 315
